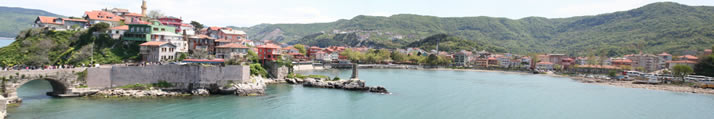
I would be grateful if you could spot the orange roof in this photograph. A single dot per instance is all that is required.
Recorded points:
(598, 66)
(665, 54)
(683, 61)
(222, 40)
(622, 60)
(102, 15)
(214, 28)
(690, 57)
(231, 45)
(48, 20)
(288, 48)
(186, 25)
(546, 63)
(133, 14)
(78, 20)
(269, 46)
(153, 43)
(123, 27)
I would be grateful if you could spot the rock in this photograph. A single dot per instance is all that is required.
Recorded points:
(378, 89)
(201, 92)
(291, 81)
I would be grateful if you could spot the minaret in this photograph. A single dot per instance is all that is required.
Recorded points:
(354, 71)
(143, 7)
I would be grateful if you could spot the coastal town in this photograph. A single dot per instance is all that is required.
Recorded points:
(115, 53)
(166, 39)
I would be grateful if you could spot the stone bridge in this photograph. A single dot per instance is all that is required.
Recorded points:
(61, 80)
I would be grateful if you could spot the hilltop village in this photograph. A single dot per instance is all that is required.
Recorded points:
(170, 40)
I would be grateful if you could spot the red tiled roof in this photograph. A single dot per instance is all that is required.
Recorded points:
(214, 28)
(123, 27)
(102, 15)
(622, 60)
(288, 48)
(133, 14)
(598, 66)
(690, 57)
(153, 43)
(222, 40)
(546, 63)
(231, 45)
(48, 20)
(664, 54)
(269, 46)
(683, 61)
(77, 20)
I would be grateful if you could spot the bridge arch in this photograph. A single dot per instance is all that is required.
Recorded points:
(10, 92)
(60, 80)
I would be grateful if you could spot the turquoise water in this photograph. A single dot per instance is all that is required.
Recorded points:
(416, 94)
(5, 41)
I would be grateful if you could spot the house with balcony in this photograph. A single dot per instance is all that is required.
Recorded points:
(231, 51)
(173, 38)
(172, 22)
(157, 51)
(117, 32)
(268, 52)
(55, 23)
(96, 16)
(544, 65)
(142, 31)
(202, 43)
(462, 58)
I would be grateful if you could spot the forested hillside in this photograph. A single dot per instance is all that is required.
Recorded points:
(15, 20)
(653, 28)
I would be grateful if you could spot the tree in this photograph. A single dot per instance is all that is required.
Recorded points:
(682, 71)
(196, 25)
(99, 27)
(705, 66)
(399, 57)
(155, 14)
(301, 48)
(252, 56)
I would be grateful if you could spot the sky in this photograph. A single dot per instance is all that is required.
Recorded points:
(247, 13)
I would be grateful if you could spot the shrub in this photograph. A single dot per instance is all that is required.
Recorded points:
(162, 84)
(257, 69)
(336, 78)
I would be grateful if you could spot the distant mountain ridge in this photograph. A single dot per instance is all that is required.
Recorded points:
(15, 19)
(656, 27)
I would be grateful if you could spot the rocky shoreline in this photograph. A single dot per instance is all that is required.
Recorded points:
(351, 84)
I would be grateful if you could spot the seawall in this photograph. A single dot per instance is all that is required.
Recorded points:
(181, 76)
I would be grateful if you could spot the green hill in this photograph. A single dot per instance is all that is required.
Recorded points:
(657, 27)
(452, 43)
(16, 19)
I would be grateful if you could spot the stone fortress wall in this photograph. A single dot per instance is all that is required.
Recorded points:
(181, 76)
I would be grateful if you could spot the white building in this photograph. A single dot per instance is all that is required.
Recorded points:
(157, 51)
(173, 38)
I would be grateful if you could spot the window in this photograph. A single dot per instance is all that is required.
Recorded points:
(156, 29)
(162, 29)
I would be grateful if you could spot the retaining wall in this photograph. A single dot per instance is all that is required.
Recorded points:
(181, 76)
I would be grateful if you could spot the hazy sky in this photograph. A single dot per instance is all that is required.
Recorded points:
(252, 12)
